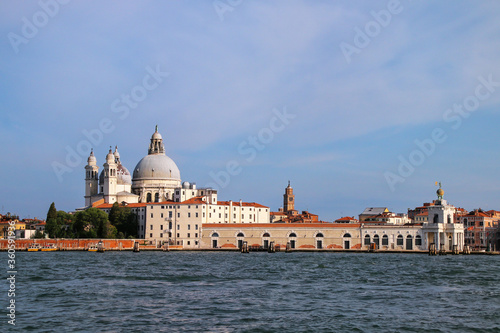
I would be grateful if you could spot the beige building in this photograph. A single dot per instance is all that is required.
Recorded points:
(337, 236)
(181, 223)
(298, 235)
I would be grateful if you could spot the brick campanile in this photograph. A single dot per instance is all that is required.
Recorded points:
(288, 199)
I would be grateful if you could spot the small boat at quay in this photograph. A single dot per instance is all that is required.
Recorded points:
(51, 247)
(34, 247)
(92, 248)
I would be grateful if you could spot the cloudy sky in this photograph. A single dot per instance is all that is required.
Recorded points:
(357, 103)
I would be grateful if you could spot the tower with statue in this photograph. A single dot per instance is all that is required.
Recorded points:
(440, 231)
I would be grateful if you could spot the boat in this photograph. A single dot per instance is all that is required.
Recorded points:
(51, 247)
(92, 248)
(34, 247)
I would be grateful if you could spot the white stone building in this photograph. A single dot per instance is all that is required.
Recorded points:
(441, 229)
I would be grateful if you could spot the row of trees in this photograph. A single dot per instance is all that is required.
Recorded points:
(92, 223)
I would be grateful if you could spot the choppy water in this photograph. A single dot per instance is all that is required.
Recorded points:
(257, 292)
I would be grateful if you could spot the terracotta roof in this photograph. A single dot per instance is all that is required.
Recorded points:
(346, 218)
(237, 203)
(192, 201)
(476, 214)
(131, 205)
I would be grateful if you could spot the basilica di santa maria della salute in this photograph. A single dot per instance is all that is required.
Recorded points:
(155, 177)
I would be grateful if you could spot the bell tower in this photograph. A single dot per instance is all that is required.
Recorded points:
(288, 199)
(110, 178)
(91, 178)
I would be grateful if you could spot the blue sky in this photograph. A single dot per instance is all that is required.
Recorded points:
(231, 69)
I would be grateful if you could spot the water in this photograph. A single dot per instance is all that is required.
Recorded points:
(256, 292)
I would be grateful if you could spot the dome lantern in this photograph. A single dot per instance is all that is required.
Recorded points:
(156, 146)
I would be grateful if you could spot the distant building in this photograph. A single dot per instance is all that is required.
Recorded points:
(480, 228)
(347, 219)
(387, 218)
(372, 211)
(288, 214)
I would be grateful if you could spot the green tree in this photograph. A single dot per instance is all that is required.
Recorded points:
(51, 226)
(38, 234)
(65, 222)
(91, 223)
(52, 213)
(124, 220)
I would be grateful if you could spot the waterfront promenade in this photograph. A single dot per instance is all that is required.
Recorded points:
(128, 245)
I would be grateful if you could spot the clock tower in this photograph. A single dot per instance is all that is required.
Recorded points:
(288, 199)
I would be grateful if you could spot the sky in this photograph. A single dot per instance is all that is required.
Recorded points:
(356, 103)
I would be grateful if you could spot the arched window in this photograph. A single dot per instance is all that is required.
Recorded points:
(148, 197)
(293, 234)
(157, 197)
(240, 234)
(367, 240)
(449, 218)
(347, 236)
(400, 240)
(215, 234)
(385, 240)
(376, 240)
(418, 240)
(266, 235)
(436, 218)
(319, 234)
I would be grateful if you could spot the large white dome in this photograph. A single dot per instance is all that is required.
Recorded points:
(156, 166)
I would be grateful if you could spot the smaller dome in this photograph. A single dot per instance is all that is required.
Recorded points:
(110, 158)
(123, 175)
(185, 185)
(91, 160)
(156, 136)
